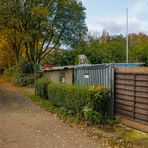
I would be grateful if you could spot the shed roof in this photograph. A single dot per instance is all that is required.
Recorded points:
(76, 66)
(95, 66)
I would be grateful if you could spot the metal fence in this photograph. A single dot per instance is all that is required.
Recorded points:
(99, 74)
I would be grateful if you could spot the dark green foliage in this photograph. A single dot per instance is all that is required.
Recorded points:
(41, 88)
(92, 116)
(24, 74)
(23, 79)
(25, 67)
(72, 97)
(91, 103)
(110, 51)
(98, 99)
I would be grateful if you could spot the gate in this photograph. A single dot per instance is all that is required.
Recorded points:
(131, 93)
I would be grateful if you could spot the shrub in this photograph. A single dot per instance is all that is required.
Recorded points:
(77, 99)
(98, 99)
(9, 73)
(41, 87)
(24, 74)
(89, 103)
(72, 97)
(93, 117)
(25, 67)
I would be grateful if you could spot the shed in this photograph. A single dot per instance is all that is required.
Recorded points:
(62, 74)
(85, 74)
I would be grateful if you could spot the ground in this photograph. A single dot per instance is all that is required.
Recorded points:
(24, 124)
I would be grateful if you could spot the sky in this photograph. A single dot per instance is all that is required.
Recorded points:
(110, 15)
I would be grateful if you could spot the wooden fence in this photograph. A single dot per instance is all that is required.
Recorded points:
(131, 93)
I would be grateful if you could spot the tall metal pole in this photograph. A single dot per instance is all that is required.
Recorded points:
(126, 35)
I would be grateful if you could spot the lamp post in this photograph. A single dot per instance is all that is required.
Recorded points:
(126, 35)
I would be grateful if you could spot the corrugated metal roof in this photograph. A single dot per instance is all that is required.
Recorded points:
(76, 66)
(81, 66)
(61, 68)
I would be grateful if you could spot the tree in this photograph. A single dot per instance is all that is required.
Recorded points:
(43, 24)
(6, 55)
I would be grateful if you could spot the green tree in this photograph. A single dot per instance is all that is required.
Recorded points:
(43, 24)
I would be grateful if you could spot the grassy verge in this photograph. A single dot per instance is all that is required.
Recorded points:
(95, 132)
(71, 120)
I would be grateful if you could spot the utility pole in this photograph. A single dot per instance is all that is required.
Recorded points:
(126, 35)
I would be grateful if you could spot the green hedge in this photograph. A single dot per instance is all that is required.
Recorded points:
(75, 97)
(71, 97)
(89, 103)
(41, 88)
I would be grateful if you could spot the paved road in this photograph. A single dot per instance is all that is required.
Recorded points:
(26, 125)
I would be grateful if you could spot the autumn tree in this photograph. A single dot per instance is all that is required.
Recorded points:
(6, 54)
(43, 25)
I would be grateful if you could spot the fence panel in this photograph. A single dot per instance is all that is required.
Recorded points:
(131, 93)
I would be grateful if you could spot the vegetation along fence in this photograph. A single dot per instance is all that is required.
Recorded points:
(96, 74)
(131, 93)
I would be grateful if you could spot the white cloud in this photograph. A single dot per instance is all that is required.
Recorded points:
(118, 25)
(138, 21)
(139, 7)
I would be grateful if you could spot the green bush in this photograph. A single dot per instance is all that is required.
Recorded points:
(98, 99)
(22, 74)
(88, 102)
(72, 97)
(23, 79)
(41, 87)
(92, 116)
(25, 67)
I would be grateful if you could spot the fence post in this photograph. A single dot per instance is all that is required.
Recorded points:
(111, 105)
(134, 99)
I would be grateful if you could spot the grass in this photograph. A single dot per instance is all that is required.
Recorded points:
(46, 104)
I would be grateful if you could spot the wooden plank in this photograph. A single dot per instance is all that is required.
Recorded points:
(142, 83)
(123, 102)
(137, 124)
(141, 111)
(125, 87)
(142, 100)
(124, 107)
(142, 106)
(124, 82)
(142, 77)
(142, 94)
(141, 117)
(134, 96)
(123, 112)
(124, 76)
(141, 89)
(125, 92)
(124, 97)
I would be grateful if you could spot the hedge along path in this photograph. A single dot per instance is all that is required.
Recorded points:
(26, 125)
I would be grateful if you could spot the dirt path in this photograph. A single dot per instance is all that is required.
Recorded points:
(26, 125)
